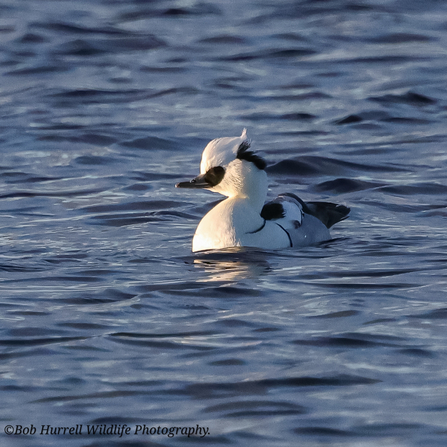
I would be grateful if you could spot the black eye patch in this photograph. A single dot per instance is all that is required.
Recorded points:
(214, 175)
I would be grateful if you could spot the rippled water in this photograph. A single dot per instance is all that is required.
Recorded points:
(108, 318)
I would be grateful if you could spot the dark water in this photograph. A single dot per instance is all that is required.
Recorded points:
(107, 317)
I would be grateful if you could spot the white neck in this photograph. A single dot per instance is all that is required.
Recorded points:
(228, 223)
(244, 181)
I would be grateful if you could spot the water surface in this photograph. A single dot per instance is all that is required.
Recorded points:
(108, 318)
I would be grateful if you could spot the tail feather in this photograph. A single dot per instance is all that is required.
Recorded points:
(328, 213)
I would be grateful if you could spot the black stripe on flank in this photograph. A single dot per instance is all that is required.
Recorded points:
(244, 154)
(259, 229)
(288, 235)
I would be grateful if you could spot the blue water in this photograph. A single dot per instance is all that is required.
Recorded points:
(107, 318)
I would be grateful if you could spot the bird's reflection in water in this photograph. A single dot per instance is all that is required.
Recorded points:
(232, 264)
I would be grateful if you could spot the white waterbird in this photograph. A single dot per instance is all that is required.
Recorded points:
(243, 219)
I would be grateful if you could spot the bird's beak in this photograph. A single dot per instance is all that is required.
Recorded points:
(196, 183)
